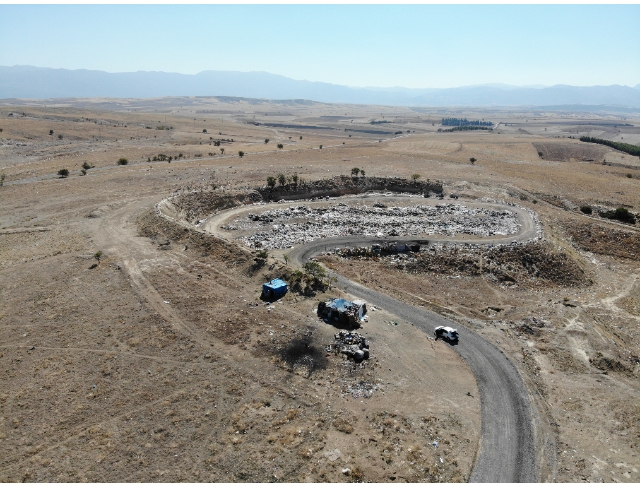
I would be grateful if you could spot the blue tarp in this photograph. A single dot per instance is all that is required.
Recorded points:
(274, 289)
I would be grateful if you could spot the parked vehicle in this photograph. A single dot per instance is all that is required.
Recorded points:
(447, 333)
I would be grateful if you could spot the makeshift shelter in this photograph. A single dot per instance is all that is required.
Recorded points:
(343, 311)
(274, 289)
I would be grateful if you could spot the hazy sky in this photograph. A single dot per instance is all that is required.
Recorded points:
(417, 46)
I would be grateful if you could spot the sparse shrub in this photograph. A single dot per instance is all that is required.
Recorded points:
(271, 181)
(83, 171)
(472, 160)
(97, 255)
(221, 150)
(415, 177)
(355, 171)
(629, 175)
(1, 130)
(301, 137)
(621, 214)
(266, 141)
(282, 179)
(204, 131)
(60, 136)
(262, 255)
(50, 132)
(586, 209)
(280, 146)
(2, 178)
(314, 269)
(294, 178)
(123, 161)
(86, 166)
(241, 154)
(63, 173)
(540, 154)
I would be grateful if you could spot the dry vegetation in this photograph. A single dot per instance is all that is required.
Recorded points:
(156, 361)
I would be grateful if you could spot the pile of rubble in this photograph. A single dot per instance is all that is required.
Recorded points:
(352, 344)
(283, 228)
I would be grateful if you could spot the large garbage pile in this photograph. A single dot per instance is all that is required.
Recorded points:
(353, 345)
(283, 228)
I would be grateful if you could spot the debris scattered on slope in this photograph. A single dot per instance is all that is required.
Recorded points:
(353, 345)
(282, 228)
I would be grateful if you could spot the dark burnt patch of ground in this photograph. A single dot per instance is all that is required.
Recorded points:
(564, 151)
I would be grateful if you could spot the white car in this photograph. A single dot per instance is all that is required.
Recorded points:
(447, 333)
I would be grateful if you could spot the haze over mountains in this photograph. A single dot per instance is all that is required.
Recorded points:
(38, 83)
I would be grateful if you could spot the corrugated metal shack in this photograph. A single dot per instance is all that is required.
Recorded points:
(274, 289)
(348, 313)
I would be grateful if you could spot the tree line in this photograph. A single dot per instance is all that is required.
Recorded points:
(465, 127)
(459, 122)
(634, 150)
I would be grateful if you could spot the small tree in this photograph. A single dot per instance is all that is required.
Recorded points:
(63, 173)
(314, 269)
(282, 179)
(280, 146)
(204, 131)
(222, 150)
(362, 172)
(294, 178)
(473, 160)
(271, 181)
(60, 136)
(86, 166)
(123, 161)
(320, 146)
(2, 178)
(301, 137)
(241, 154)
(266, 141)
(415, 177)
(355, 171)
(50, 132)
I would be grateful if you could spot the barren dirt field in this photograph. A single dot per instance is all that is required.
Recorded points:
(134, 346)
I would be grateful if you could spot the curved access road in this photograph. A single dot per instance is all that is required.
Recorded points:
(507, 448)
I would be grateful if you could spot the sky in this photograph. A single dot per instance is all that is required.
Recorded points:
(414, 46)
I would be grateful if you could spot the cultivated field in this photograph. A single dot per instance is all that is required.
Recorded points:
(136, 348)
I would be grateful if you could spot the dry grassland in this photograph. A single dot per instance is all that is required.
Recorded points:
(157, 361)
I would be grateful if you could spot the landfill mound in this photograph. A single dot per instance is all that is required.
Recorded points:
(343, 185)
(283, 228)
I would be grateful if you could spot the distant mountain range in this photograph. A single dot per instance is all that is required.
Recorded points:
(40, 83)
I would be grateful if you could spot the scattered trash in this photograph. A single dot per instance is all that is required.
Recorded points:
(166, 302)
(346, 471)
(362, 388)
(285, 227)
(353, 345)
(435, 443)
